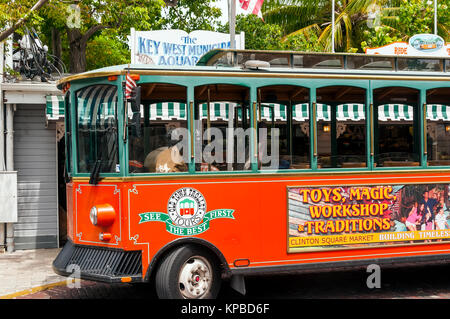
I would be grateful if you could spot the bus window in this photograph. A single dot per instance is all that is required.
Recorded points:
(283, 127)
(97, 142)
(420, 64)
(222, 122)
(275, 60)
(318, 61)
(156, 140)
(370, 62)
(341, 127)
(396, 129)
(438, 126)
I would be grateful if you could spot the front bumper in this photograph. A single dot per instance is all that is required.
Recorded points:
(99, 263)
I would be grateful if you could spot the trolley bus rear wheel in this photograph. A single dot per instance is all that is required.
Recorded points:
(188, 272)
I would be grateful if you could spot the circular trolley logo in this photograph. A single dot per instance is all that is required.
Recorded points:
(186, 213)
(186, 207)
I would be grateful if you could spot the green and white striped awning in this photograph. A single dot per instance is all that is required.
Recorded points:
(344, 112)
(395, 112)
(221, 110)
(403, 112)
(167, 111)
(97, 106)
(300, 112)
(102, 99)
(436, 112)
(54, 107)
(352, 112)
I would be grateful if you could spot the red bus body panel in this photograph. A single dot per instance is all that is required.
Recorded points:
(258, 231)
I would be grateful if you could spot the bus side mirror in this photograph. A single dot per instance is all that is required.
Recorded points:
(135, 99)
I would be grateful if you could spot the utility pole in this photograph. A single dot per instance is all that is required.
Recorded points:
(232, 22)
(435, 17)
(332, 26)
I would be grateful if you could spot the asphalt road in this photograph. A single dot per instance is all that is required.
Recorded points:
(420, 282)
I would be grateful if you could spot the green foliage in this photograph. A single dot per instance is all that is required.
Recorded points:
(258, 35)
(190, 15)
(105, 50)
(377, 37)
(12, 11)
(302, 42)
(294, 15)
(410, 18)
(261, 35)
(396, 20)
(98, 23)
(310, 18)
(119, 15)
(417, 16)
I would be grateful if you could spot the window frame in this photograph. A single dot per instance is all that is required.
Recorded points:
(76, 87)
(152, 80)
(425, 104)
(333, 110)
(68, 133)
(361, 84)
(312, 84)
(378, 84)
(289, 122)
(251, 121)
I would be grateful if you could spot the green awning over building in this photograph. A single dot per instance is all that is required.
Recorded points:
(54, 107)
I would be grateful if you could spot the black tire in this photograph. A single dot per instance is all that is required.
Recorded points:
(180, 262)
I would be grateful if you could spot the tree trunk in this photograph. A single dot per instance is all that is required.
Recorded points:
(57, 47)
(77, 47)
(78, 44)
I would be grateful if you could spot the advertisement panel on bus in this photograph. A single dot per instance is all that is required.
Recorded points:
(363, 216)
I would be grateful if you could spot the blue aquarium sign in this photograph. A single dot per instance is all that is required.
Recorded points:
(176, 47)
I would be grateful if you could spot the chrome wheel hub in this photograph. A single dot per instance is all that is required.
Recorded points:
(195, 278)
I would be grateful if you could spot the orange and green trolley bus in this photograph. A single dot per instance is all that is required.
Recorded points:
(255, 162)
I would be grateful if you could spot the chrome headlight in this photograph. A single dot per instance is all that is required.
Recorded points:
(93, 215)
(102, 215)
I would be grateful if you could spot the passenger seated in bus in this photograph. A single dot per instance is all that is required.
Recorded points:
(165, 160)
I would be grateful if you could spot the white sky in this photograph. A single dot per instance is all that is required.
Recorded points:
(223, 5)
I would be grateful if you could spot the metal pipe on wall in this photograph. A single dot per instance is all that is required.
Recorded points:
(2, 135)
(2, 152)
(10, 108)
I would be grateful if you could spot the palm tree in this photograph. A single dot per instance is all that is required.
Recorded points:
(306, 16)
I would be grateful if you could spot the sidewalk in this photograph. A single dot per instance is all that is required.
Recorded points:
(27, 271)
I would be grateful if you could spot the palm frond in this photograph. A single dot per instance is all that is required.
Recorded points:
(295, 15)
(444, 32)
(306, 31)
(348, 31)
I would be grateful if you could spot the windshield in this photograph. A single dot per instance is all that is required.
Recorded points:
(97, 128)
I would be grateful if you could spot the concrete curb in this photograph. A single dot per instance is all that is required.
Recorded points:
(34, 290)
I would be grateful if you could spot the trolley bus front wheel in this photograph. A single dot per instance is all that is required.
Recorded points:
(188, 272)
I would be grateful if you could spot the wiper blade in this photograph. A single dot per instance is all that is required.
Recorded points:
(95, 172)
